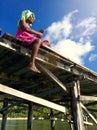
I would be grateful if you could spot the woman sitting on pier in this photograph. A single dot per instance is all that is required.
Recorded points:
(31, 37)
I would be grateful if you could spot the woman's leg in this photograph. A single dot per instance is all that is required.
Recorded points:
(35, 48)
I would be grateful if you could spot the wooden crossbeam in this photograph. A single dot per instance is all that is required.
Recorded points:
(37, 100)
(53, 77)
(90, 115)
(88, 98)
(85, 122)
(9, 106)
(76, 107)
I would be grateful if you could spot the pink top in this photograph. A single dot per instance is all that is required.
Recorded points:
(27, 37)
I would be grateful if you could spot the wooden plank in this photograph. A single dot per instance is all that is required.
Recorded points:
(76, 107)
(52, 120)
(85, 122)
(90, 115)
(79, 68)
(88, 98)
(30, 116)
(61, 62)
(53, 77)
(32, 98)
(88, 123)
(4, 117)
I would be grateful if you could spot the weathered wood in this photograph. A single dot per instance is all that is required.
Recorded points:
(29, 121)
(4, 116)
(88, 123)
(71, 126)
(52, 119)
(88, 98)
(61, 61)
(90, 115)
(76, 107)
(51, 62)
(31, 98)
(85, 122)
(53, 77)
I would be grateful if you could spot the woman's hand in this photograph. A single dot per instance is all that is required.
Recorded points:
(39, 34)
(42, 31)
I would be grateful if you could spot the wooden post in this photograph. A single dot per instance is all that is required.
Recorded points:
(52, 119)
(71, 126)
(29, 122)
(86, 119)
(76, 107)
(4, 116)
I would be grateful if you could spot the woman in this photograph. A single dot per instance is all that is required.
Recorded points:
(30, 36)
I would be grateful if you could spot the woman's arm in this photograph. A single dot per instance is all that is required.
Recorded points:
(24, 26)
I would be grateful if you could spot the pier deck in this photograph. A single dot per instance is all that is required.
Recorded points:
(60, 81)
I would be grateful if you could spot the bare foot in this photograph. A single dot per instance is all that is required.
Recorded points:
(34, 69)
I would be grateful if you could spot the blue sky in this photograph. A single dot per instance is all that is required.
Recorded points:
(70, 25)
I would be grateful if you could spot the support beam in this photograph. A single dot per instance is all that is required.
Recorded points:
(53, 77)
(14, 92)
(29, 122)
(88, 98)
(76, 107)
(71, 126)
(9, 106)
(4, 116)
(52, 119)
(90, 115)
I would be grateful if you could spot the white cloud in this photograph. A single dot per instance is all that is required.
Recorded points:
(87, 27)
(73, 42)
(73, 50)
(60, 29)
(93, 57)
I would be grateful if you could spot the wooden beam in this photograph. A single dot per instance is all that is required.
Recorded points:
(85, 122)
(90, 115)
(88, 98)
(77, 70)
(52, 120)
(14, 92)
(4, 116)
(9, 106)
(53, 77)
(29, 121)
(76, 107)
(88, 123)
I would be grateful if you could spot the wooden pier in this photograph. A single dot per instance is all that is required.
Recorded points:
(61, 82)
